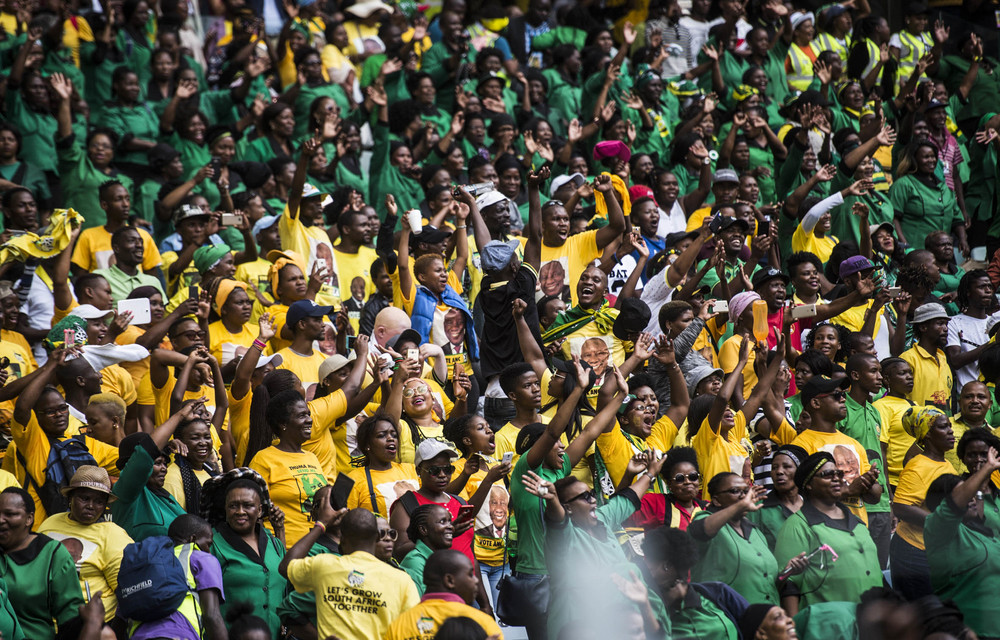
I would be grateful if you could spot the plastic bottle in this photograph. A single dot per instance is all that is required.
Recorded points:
(760, 328)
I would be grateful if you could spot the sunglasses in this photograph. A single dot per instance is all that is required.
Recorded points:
(739, 492)
(588, 496)
(412, 391)
(552, 203)
(836, 395)
(831, 473)
(388, 534)
(448, 469)
(691, 477)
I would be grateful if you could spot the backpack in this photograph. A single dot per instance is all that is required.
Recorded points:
(65, 457)
(152, 583)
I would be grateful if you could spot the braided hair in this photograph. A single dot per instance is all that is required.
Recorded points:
(419, 518)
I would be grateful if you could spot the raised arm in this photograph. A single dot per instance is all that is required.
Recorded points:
(536, 454)
(63, 86)
(598, 424)
(530, 351)
(616, 218)
(248, 363)
(309, 149)
(728, 387)
(765, 382)
(533, 247)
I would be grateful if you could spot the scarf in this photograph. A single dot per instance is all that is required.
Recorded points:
(601, 207)
(49, 242)
(575, 318)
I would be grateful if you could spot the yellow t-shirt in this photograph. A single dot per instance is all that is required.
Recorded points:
(293, 479)
(305, 367)
(567, 263)
(358, 595)
(175, 485)
(389, 486)
(21, 364)
(33, 445)
(255, 274)
(180, 282)
(663, 435)
(404, 299)
(505, 440)
(422, 621)
(958, 429)
(239, 424)
(115, 379)
(898, 441)
(137, 369)
(729, 357)
(93, 250)
(100, 554)
(917, 476)
(223, 344)
(616, 449)
(849, 456)
(932, 379)
(585, 342)
(328, 441)
(349, 266)
(854, 318)
(18, 339)
(309, 242)
(717, 454)
(821, 247)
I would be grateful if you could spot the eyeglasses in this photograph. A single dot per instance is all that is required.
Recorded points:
(192, 335)
(388, 534)
(588, 496)
(417, 390)
(57, 410)
(691, 477)
(836, 395)
(448, 469)
(831, 473)
(739, 492)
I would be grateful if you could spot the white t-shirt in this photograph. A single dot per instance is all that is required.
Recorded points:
(973, 332)
(672, 221)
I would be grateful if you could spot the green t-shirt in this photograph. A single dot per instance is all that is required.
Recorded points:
(864, 424)
(81, 181)
(42, 585)
(138, 121)
(138, 510)
(698, 618)
(744, 563)
(528, 512)
(922, 209)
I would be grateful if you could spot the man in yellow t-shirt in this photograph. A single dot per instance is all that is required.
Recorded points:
(452, 583)
(93, 251)
(897, 376)
(932, 375)
(305, 320)
(358, 595)
(566, 257)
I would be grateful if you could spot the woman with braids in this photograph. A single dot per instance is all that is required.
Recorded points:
(292, 473)
(681, 503)
(967, 334)
(829, 339)
(432, 530)
(236, 504)
(380, 481)
(193, 467)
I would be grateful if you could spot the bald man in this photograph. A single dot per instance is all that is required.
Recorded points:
(389, 323)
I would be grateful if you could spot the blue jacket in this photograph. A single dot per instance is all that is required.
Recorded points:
(422, 317)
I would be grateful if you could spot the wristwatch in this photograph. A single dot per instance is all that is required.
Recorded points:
(706, 161)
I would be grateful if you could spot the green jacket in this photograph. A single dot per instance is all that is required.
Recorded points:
(744, 562)
(43, 588)
(248, 576)
(139, 510)
(386, 178)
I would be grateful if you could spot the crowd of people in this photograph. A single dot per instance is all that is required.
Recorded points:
(632, 320)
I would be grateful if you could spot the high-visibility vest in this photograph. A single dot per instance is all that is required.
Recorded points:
(191, 607)
(799, 66)
(873, 56)
(914, 48)
(826, 42)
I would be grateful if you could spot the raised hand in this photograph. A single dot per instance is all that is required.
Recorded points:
(62, 85)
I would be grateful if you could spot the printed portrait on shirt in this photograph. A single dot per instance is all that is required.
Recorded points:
(394, 490)
(595, 351)
(79, 549)
(846, 459)
(553, 278)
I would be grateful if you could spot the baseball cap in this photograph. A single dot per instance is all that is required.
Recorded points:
(336, 362)
(186, 211)
(429, 235)
(266, 222)
(992, 324)
(527, 437)
(763, 275)
(496, 255)
(305, 309)
(929, 311)
(430, 449)
(557, 183)
(721, 223)
(934, 104)
(637, 191)
(409, 335)
(818, 385)
(633, 317)
(489, 199)
(855, 264)
(265, 360)
(725, 175)
(309, 191)
(90, 312)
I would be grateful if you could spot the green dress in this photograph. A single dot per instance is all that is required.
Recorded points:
(141, 511)
(742, 560)
(81, 180)
(138, 121)
(44, 588)
(855, 571)
(922, 208)
(38, 131)
(248, 576)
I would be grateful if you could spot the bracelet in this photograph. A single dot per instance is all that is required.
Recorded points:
(319, 523)
(651, 477)
(260, 344)
(464, 226)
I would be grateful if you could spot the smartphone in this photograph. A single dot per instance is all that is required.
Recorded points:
(230, 219)
(350, 342)
(720, 306)
(466, 512)
(507, 457)
(413, 354)
(894, 292)
(69, 337)
(193, 291)
(804, 311)
(216, 165)
(341, 489)
(764, 227)
(321, 263)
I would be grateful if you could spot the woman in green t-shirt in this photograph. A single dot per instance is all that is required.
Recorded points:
(784, 499)
(131, 119)
(922, 201)
(19, 173)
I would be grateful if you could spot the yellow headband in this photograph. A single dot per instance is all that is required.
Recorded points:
(224, 289)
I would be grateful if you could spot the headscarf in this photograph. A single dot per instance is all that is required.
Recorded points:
(810, 466)
(576, 317)
(740, 303)
(225, 288)
(208, 256)
(744, 92)
(56, 338)
(917, 421)
(213, 494)
(281, 259)
(49, 242)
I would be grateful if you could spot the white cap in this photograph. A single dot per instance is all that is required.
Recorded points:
(263, 360)
(90, 312)
(559, 181)
(489, 198)
(430, 449)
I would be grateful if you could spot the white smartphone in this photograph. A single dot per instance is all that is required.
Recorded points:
(894, 292)
(507, 457)
(804, 311)
(230, 220)
(413, 354)
(141, 313)
(719, 306)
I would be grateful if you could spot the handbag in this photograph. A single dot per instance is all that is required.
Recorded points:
(520, 596)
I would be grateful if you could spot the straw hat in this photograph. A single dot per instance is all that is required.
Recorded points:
(90, 477)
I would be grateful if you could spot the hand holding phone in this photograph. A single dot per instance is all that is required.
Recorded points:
(507, 457)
